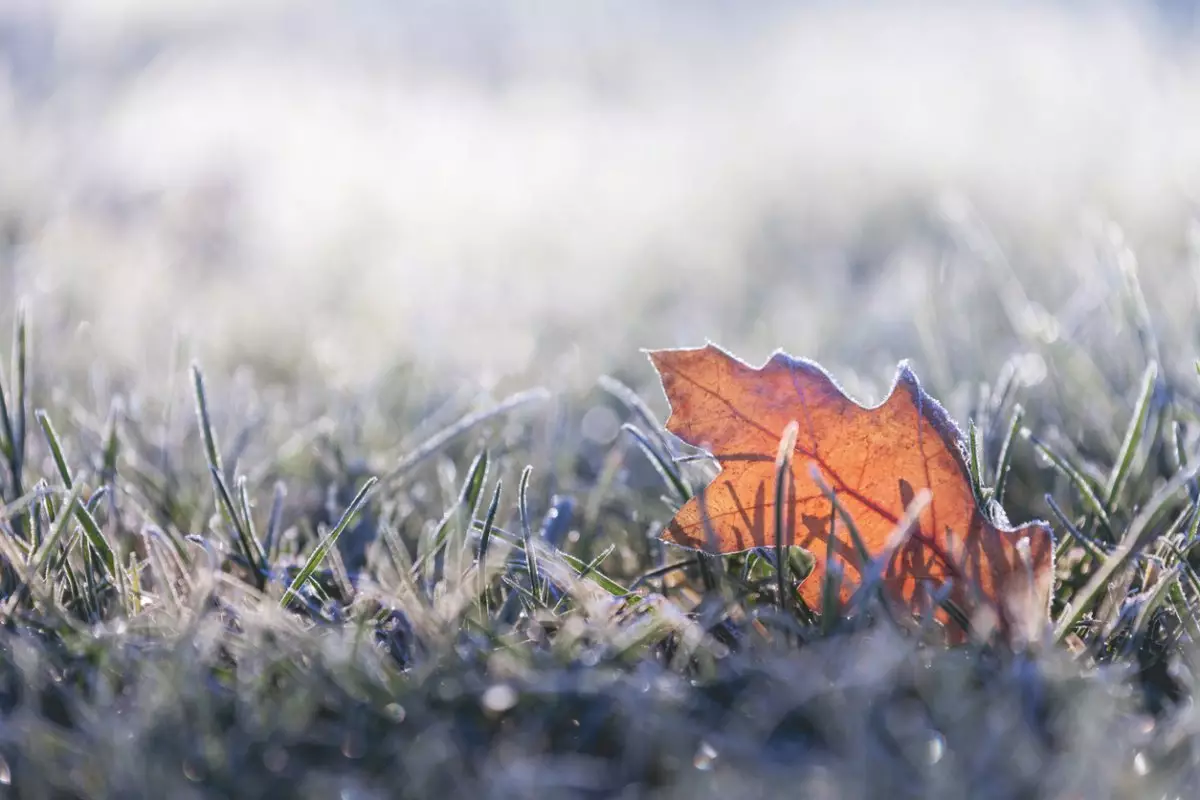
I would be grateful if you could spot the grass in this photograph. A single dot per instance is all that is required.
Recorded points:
(236, 605)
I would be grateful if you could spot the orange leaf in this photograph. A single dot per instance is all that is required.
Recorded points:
(875, 460)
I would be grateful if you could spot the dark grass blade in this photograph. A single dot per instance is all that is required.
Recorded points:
(15, 414)
(831, 589)
(1090, 500)
(860, 545)
(111, 448)
(663, 465)
(783, 485)
(274, 523)
(636, 406)
(485, 539)
(1091, 545)
(8, 447)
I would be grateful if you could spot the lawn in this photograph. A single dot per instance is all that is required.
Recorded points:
(332, 464)
(237, 604)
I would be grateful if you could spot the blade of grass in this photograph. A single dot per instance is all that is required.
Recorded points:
(90, 528)
(830, 602)
(1133, 436)
(251, 532)
(1004, 461)
(859, 544)
(973, 463)
(1153, 598)
(434, 443)
(485, 535)
(204, 419)
(831, 596)
(322, 549)
(56, 451)
(664, 466)
(251, 549)
(457, 520)
(606, 583)
(634, 403)
(1126, 549)
(274, 523)
(112, 445)
(659, 572)
(1081, 484)
(16, 427)
(60, 526)
(8, 445)
(527, 533)
(784, 483)
(597, 561)
(1089, 544)
(95, 537)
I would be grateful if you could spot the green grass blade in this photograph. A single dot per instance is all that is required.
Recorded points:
(1133, 435)
(1127, 548)
(7, 443)
(485, 540)
(91, 528)
(606, 583)
(251, 550)
(322, 549)
(61, 523)
(1004, 461)
(457, 519)
(204, 419)
(472, 488)
(973, 463)
(597, 561)
(112, 446)
(20, 406)
(56, 451)
(527, 533)
(485, 535)
(860, 545)
(259, 552)
(248, 543)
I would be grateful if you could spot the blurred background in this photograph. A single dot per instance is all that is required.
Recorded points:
(510, 192)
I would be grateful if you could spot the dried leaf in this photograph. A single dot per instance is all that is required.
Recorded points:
(875, 459)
